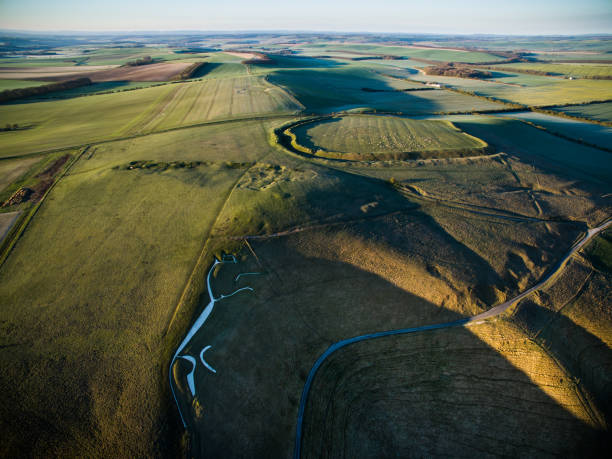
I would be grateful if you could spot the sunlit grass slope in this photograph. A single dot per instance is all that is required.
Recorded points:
(81, 120)
(572, 320)
(89, 292)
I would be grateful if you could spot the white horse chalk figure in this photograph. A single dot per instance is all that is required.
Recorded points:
(196, 326)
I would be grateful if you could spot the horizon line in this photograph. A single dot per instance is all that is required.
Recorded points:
(300, 31)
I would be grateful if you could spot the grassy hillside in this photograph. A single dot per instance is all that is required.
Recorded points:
(95, 308)
(571, 320)
(321, 300)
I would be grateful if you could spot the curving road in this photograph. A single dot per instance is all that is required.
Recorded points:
(468, 321)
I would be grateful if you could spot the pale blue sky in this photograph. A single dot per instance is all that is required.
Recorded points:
(405, 16)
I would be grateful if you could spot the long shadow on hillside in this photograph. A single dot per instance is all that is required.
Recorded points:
(325, 91)
(435, 399)
(298, 62)
(549, 152)
(412, 233)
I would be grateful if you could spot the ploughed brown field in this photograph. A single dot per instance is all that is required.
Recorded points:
(152, 72)
(46, 73)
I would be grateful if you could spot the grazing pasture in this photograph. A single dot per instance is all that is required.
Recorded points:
(244, 141)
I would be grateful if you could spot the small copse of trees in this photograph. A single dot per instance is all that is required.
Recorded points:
(142, 61)
(453, 70)
(20, 93)
(190, 71)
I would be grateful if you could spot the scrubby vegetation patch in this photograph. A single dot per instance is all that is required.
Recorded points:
(160, 166)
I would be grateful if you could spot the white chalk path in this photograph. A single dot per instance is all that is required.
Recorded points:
(194, 329)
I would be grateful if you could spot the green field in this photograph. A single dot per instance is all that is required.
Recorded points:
(62, 123)
(532, 90)
(598, 112)
(15, 84)
(364, 137)
(95, 88)
(576, 45)
(602, 54)
(574, 70)
(222, 70)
